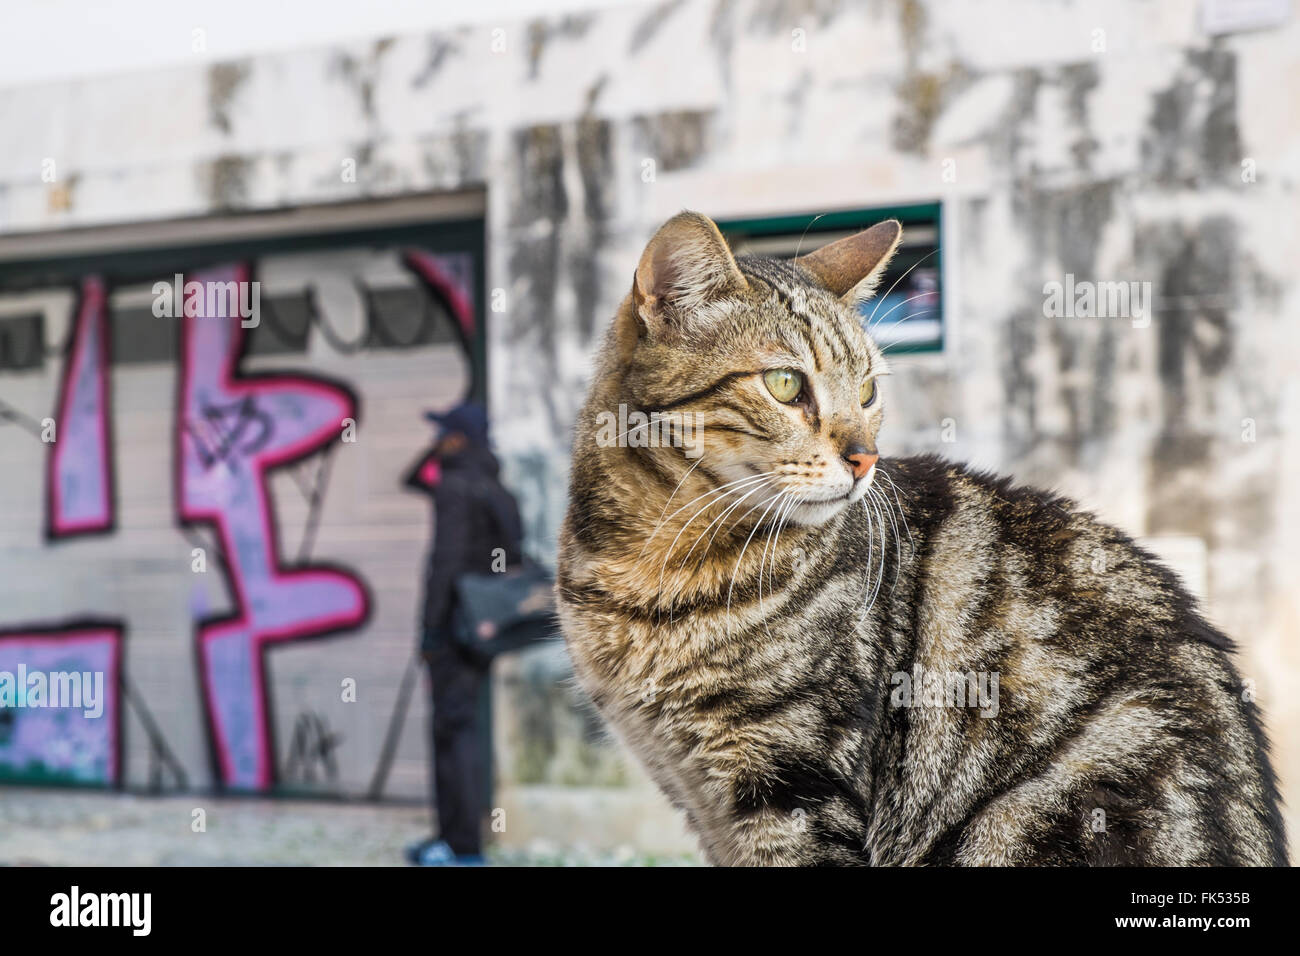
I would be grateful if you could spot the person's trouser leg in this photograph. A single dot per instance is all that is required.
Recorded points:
(457, 751)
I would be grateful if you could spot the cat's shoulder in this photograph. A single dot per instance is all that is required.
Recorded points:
(1070, 543)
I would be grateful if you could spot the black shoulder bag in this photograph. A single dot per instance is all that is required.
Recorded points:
(505, 611)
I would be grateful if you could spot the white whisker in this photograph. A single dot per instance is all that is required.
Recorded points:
(727, 488)
(895, 283)
(667, 503)
(899, 505)
(910, 298)
(718, 521)
(782, 512)
(721, 489)
(758, 524)
(883, 504)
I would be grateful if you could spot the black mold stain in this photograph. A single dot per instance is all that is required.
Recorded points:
(533, 317)
(226, 182)
(1007, 137)
(542, 32)
(796, 98)
(1201, 270)
(1192, 136)
(552, 249)
(1103, 411)
(1079, 80)
(372, 174)
(1068, 222)
(224, 81)
(722, 34)
(973, 219)
(593, 94)
(440, 49)
(674, 139)
(596, 171)
(539, 176)
(922, 94)
(1196, 285)
(1020, 422)
(1066, 227)
(541, 205)
(460, 157)
(361, 73)
(555, 243)
(772, 16)
(1195, 270)
(651, 23)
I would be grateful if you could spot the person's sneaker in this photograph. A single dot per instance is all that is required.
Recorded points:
(439, 853)
(413, 851)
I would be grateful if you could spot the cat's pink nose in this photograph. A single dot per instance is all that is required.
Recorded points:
(860, 461)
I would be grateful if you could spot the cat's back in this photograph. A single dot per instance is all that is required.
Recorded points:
(1123, 732)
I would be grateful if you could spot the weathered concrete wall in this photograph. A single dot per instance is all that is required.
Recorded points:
(1111, 141)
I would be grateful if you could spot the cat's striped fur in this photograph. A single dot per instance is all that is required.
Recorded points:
(751, 648)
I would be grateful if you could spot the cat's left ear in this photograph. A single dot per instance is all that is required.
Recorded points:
(685, 266)
(851, 268)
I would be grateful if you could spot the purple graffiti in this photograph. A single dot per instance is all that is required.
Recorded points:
(231, 429)
(52, 739)
(79, 483)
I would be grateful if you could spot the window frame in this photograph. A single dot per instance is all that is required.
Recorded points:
(132, 253)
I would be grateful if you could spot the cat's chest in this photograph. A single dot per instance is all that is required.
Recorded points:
(634, 665)
(686, 692)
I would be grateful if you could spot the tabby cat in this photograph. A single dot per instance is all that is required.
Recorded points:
(826, 658)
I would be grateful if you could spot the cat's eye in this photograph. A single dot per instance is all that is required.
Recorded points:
(785, 384)
(867, 393)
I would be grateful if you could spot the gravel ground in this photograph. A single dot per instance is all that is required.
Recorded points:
(62, 827)
(68, 827)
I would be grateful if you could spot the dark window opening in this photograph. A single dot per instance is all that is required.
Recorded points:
(139, 336)
(405, 317)
(22, 341)
(283, 324)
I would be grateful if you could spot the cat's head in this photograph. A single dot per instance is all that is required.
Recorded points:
(768, 357)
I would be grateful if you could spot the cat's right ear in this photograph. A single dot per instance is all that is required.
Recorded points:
(852, 267)
(685, 266)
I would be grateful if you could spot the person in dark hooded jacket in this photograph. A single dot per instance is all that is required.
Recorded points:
(477, 529)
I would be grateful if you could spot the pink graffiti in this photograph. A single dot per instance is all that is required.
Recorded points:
(231, 429)
(79, 483)
(446, 276)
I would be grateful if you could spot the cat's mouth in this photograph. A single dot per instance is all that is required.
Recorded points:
(818, 510)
